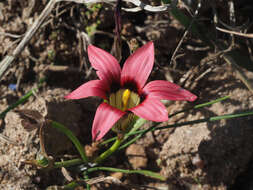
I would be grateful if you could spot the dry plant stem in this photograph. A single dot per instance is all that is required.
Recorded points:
(235, 33)
(66, 174)
(96, 180)
(232, 18)
(29, 34)
(10, 35)
(231, 12)
(8, 60)
(6, 139)
(185, 33)
(62, 68)
(42, 145)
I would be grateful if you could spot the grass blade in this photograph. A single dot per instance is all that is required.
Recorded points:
(142, 172)
(72, 137)
(21, 100)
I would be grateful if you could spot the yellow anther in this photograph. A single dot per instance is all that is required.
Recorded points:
(125, 97)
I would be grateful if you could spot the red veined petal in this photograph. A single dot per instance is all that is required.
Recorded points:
(139, 65)
(151, 109)
(165, 90)
(106, 116)
(107, 66)
(91, 88)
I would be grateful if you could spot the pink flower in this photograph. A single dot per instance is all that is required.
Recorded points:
(124, 91)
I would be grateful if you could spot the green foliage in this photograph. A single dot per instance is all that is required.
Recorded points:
(91, 13)
(92, 28)
(51, 55)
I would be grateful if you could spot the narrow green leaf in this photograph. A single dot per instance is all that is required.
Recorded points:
(154, 126)
(230, 116)
(211, 102)
(72, 137)
(142, 172)
(200, 105)
(21, 100)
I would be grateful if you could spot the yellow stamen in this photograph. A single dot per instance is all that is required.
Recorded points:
(125, 98)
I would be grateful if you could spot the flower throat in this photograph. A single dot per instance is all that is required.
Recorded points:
(124, 99)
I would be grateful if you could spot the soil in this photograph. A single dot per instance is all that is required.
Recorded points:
(214, 155)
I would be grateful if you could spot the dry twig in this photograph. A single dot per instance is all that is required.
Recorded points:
(185, 33)
(235, 33)
(6, 139)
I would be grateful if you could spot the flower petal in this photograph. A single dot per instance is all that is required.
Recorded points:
(91, 88)
(138, 66)
(106, 116)
(107, 66)
(151, 109)
(164, 90)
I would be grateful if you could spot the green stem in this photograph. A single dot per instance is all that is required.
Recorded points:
(71, 186)
(86, 177)
(108, 152)
(68, 163)
(136, 126)
(137, 137)
(72, 137)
